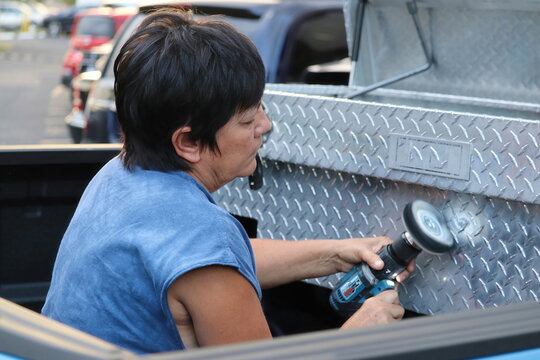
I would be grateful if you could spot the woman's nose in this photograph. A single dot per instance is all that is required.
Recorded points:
(265, 123)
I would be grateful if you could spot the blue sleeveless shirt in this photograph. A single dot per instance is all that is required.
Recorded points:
(132, 235)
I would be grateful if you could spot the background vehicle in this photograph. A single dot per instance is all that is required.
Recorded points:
(309, 33)
(38, 13)
(62, 22)
(90, 71)
(15, 16)
(91, 28)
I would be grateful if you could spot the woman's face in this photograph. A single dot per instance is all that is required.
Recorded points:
(238, 142)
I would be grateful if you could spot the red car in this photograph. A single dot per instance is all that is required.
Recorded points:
(91, 28)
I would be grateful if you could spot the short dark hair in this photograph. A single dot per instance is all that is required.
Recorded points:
(176, 71)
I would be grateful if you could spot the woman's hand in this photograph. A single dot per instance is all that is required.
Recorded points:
(349, 252)
(381, 309)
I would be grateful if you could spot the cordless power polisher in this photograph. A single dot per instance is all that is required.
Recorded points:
(426, 230)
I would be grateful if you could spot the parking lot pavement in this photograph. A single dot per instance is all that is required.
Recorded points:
(28, 35)
(33, 103)
(55, 130)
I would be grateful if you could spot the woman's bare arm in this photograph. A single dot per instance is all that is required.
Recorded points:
(281, 262)
(216, 305)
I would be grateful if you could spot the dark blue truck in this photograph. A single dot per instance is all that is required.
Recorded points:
(291, 37)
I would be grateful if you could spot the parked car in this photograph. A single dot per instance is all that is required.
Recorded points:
(91, 28)
(80, 89)
(94, 57)
(62, 22)
(290, 37)
(38, 13)
(15, 16)
(90, 71)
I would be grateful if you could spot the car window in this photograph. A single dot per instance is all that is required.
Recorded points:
(96, 26)
(247, 26)
(318, 39)
(11, 11)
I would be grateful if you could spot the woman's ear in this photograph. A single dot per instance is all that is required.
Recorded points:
(184, 146)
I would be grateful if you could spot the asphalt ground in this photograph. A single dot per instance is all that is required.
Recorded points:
(33, 102)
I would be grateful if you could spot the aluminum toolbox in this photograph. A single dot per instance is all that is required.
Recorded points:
(456, 125)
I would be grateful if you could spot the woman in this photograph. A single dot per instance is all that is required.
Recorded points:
(149, 261)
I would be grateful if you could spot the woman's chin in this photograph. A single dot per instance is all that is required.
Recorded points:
(250, 169)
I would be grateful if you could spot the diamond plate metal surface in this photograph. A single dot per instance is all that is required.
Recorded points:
(481, 48)
(321, 90)
(441, 102)
(354, 137)
(326, 175)
(497, 260)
